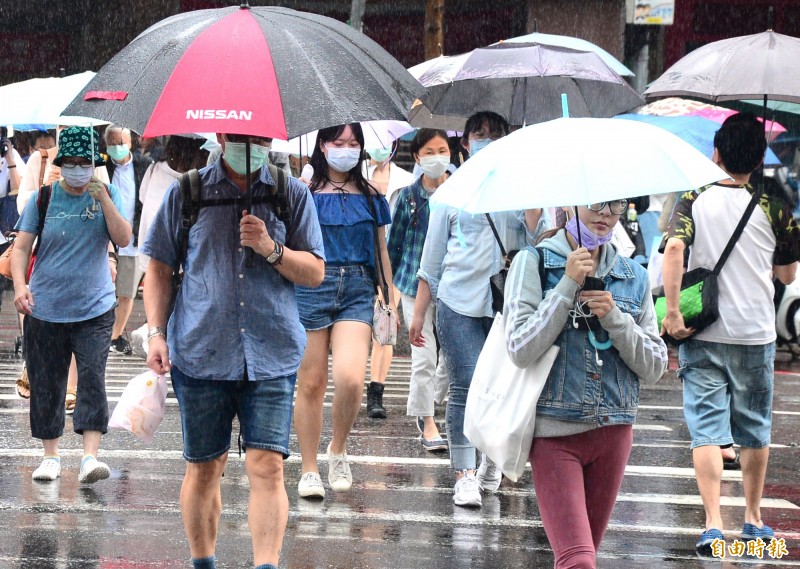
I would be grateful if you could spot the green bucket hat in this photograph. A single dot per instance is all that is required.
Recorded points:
(76, 141)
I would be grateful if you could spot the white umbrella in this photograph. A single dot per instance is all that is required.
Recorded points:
(576, 161)
(377, 134)
(38, 103)
(571, 43)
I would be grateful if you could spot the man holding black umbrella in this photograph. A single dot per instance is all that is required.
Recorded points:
(234, 341)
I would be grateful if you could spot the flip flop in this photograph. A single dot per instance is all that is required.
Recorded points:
(731, 463)
(23, 386)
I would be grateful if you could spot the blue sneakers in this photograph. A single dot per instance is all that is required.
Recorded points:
(752, 532)
(703, 545)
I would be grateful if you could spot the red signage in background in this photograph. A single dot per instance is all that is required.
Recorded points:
(46, 52)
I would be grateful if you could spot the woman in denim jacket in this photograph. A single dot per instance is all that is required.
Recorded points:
(608, 343)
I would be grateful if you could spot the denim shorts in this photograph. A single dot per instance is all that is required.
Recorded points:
(727, 392)
(347, 293)
(264, 409)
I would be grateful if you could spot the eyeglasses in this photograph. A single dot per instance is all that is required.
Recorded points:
(616, 207)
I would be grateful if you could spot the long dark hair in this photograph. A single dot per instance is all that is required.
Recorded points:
(183, 153)
(320, 164)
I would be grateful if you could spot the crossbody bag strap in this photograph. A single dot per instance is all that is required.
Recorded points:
(496, 235)
(378, 260)
(737, 232)
(42, 165)
(42, 203)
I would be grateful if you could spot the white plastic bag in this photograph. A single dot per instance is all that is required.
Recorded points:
(142, 406)
(501, 403)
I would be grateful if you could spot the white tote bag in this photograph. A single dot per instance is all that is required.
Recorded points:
(501, 404)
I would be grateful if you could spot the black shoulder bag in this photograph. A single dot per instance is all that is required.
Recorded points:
(699, 288)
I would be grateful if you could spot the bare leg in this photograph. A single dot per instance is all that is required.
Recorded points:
(312, 379)
(121, 313)
(350, 345)
(379, 362)
(201, 505)
(708, 471)
(430, 430)
(50, 447)
(268, 510)
(91, 442)
(754, 471)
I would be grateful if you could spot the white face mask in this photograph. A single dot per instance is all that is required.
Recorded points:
(343, 159)
(434, 166)
(78, 176)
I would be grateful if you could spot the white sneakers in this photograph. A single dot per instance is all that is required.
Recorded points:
(489, 475)
(49, 470)
(339, 476)
(310, 486)
(93, 470)
(467, 491)
(140, 335)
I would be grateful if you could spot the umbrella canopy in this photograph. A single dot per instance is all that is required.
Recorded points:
(573, 43)
(377, 134)
(745, 67)
(38, 103)
(523, 82)
(696, 130)
(262, 71)
(576, 162)
(679, 107)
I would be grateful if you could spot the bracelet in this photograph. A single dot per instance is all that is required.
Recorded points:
(156, 331)
(14, 166)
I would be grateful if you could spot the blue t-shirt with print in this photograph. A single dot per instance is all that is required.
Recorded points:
(71, 280)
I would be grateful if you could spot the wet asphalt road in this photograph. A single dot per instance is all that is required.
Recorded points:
(400, 513)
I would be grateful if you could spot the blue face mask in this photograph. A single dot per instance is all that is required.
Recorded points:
(118, 152)
(236, 156)
(478, 144)
(380, 154)
(589, 238)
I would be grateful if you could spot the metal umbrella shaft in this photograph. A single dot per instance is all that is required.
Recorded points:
(249, 254)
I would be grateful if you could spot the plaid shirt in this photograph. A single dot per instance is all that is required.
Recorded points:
(407, 236)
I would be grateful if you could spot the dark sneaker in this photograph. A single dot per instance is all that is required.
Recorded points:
(704, 545)
(122, 346)
(751, 532)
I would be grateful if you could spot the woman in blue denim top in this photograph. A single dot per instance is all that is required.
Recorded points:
(459, 256)
(337, 316)
(608, 343)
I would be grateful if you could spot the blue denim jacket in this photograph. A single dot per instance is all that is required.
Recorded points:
(578, 388)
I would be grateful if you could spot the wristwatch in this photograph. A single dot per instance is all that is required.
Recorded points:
(275, 257)
(156, 331)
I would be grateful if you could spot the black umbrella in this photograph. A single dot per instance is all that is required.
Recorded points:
(265, 71)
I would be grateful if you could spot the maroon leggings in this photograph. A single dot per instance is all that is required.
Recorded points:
(577, 479)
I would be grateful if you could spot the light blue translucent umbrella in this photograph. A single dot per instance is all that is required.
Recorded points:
(697, 131)
(573, 43)
(576, 161)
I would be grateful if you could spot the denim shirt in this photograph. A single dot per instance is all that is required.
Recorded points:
(461, 254)
(578, 388)
(229, 318)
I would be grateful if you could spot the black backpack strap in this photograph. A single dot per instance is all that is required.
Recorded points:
(280, 193)
(190, 210)
(42, 203)
(738, 231)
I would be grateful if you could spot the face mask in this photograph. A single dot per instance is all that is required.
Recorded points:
(589, 239)
(434, 166)
(478, 144)
(380, 154)
(343, 159)
(118, 152)
(236, 156)
(77, 177)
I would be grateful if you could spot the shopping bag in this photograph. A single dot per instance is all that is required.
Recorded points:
(501, 404)
(142, 406)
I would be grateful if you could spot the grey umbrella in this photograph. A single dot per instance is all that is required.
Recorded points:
(765, 65)
(523, 82)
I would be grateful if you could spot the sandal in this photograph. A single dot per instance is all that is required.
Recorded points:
(23, 387)
(731, 463)
(69, 402)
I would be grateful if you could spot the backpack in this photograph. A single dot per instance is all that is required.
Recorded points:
(191, 204)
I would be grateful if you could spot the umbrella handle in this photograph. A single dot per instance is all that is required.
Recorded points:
(249, 254)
